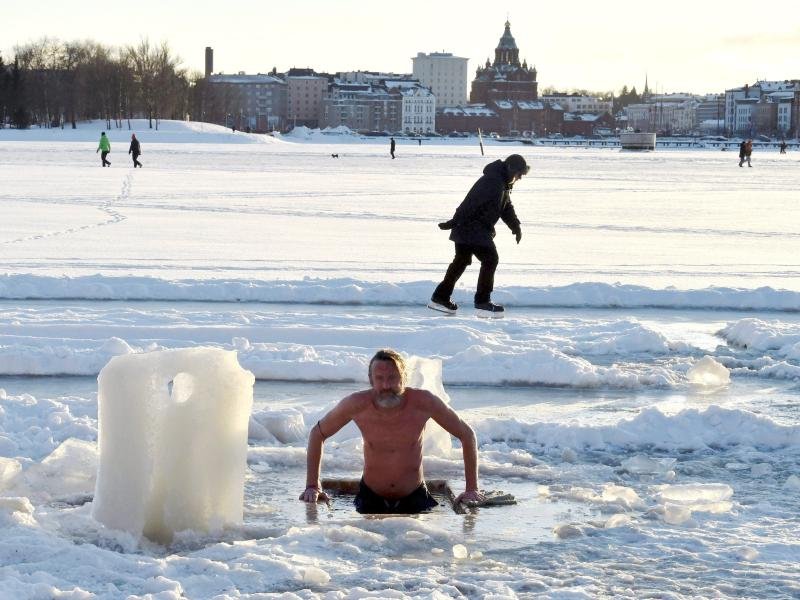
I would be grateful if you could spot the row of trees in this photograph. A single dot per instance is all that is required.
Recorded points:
(52, 83)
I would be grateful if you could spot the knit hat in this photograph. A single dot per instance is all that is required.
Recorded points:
(516, 165)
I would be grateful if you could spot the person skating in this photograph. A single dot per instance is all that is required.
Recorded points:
(783, 146)
(391, 147)
(135, 150)
(472, 231)
(104, 147)
(748, 151)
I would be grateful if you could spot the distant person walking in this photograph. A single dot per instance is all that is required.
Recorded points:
(472, 231)
(783, 146)
(104, 148)
(135, 150)
(391, 147)
(745, 150)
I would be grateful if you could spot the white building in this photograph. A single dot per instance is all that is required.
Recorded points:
(742, 103)
(444, 74)
(575, 103)
(670, 113)
(418, 113)
(785, 114)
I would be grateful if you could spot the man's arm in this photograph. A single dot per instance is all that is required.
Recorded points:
(455, 426)
(509, 217)
(332, 422)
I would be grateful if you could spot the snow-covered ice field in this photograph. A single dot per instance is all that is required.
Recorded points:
(638, 472)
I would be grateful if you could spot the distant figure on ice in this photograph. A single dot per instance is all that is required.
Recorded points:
(135, 150)
(472, 231)
(391, 147)
(419, 141)
(392, 419)
(104, 147)
(745, 150)
(783, 146)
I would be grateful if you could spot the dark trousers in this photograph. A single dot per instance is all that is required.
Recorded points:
(487, 255)
(103, 155)
(136, 162)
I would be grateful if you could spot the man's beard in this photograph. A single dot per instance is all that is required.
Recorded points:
(388, 400)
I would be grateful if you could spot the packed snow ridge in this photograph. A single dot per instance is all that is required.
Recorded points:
(347, 291)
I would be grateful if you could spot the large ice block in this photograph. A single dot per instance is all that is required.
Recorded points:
(426, 374)
(172, 441)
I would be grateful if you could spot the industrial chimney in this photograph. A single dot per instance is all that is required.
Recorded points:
(209, 61)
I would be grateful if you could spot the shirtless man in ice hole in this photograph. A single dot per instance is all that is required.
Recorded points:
(392, 419)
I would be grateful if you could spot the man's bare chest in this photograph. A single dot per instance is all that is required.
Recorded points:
(396, 432)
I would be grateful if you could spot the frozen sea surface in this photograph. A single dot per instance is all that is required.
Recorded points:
(633, 480)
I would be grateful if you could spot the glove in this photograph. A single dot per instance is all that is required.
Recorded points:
(517, 234)
(446, 225)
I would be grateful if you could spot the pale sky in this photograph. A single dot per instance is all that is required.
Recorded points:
(680, 45)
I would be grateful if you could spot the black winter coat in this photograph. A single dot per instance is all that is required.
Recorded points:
(135, 148)
(487, 202)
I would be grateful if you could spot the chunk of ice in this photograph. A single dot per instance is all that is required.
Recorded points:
(793, 483)
(315, 576)
(566, 531)
(709, 373)
(624, 496)
(642, 465)
(675, 514)
(172, 435)
(9, 469)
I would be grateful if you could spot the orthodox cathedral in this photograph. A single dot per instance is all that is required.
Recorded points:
(505, 78)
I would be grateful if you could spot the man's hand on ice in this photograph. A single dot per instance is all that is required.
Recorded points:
(470, 498)
(313, 494)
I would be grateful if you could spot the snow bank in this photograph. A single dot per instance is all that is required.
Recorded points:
(347, 291)
(173, 442)
(689, 429)
(168, 131)
(760, 335)
(483, 362)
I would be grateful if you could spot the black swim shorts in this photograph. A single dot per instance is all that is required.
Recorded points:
(368, 502)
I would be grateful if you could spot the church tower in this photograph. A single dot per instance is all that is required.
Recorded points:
(505, 79)
(506, 52)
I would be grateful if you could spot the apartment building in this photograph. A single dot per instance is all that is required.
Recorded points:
(575, 103)
(444, 74)
(418, 112)
(248, 102)
(305, 91)
(766, 107)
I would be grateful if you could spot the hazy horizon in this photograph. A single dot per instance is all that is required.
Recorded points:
(689, 48)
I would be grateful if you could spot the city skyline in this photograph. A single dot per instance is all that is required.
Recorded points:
(691, 47)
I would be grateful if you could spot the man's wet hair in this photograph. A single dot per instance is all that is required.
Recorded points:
(389, 355)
